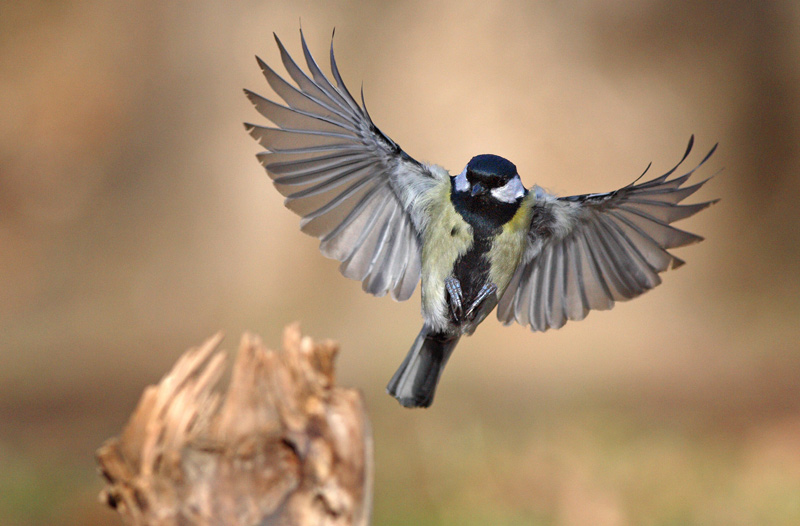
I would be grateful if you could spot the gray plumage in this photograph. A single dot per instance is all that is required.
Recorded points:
(586, 252)
(414, 383)
(391, 220)
(342, 175)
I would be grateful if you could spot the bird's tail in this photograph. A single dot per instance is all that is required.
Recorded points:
(414, 383)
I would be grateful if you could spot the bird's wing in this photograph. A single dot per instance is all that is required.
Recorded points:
(353, 186)
(586, 252)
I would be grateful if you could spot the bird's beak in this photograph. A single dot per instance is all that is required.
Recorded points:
(478, 189)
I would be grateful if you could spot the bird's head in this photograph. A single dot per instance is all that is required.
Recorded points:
(491, 176)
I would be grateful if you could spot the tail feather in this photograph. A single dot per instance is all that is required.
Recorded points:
(414, 383)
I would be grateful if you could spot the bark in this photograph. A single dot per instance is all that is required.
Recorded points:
(283, 445)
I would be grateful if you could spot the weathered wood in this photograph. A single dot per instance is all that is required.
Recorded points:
(283, 446)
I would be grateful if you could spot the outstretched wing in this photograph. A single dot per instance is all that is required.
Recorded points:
(586, 252)
(353, 186)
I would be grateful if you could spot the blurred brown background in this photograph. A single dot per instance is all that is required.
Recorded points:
(135, 222)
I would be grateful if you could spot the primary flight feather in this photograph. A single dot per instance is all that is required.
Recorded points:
(477, 240)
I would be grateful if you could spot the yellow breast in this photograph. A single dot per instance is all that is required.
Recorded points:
(446, 237)
(508, 246)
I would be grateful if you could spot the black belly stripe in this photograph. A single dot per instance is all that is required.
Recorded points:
(486, 216)
(472, 269)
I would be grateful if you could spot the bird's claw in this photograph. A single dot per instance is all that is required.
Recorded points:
(453, 287)
(487, 290)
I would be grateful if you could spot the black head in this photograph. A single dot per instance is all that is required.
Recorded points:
(491, 171)
(490, 177)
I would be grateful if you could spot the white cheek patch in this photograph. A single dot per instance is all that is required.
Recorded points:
(509, 192)
(462, 184)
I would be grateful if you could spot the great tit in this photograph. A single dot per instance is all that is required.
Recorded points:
(478, 240)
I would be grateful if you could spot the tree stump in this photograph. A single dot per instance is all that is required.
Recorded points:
(283, 446)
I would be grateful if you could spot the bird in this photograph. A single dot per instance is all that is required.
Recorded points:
(476, 241)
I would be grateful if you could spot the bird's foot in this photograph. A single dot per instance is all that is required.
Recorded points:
(453, 287)
(487, 290)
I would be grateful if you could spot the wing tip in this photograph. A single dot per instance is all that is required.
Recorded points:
(252, 96)
(690, 145)
(676, 263)
(303, 39)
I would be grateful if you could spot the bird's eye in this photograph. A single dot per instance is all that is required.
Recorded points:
(496, 181)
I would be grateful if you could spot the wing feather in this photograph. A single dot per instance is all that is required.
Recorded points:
(290, 118)
(354, 187)
(299, 100)
(587, 252)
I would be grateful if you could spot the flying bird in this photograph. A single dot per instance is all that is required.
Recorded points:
(477, 240)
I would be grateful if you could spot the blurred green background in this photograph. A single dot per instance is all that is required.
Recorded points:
(135, 222)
